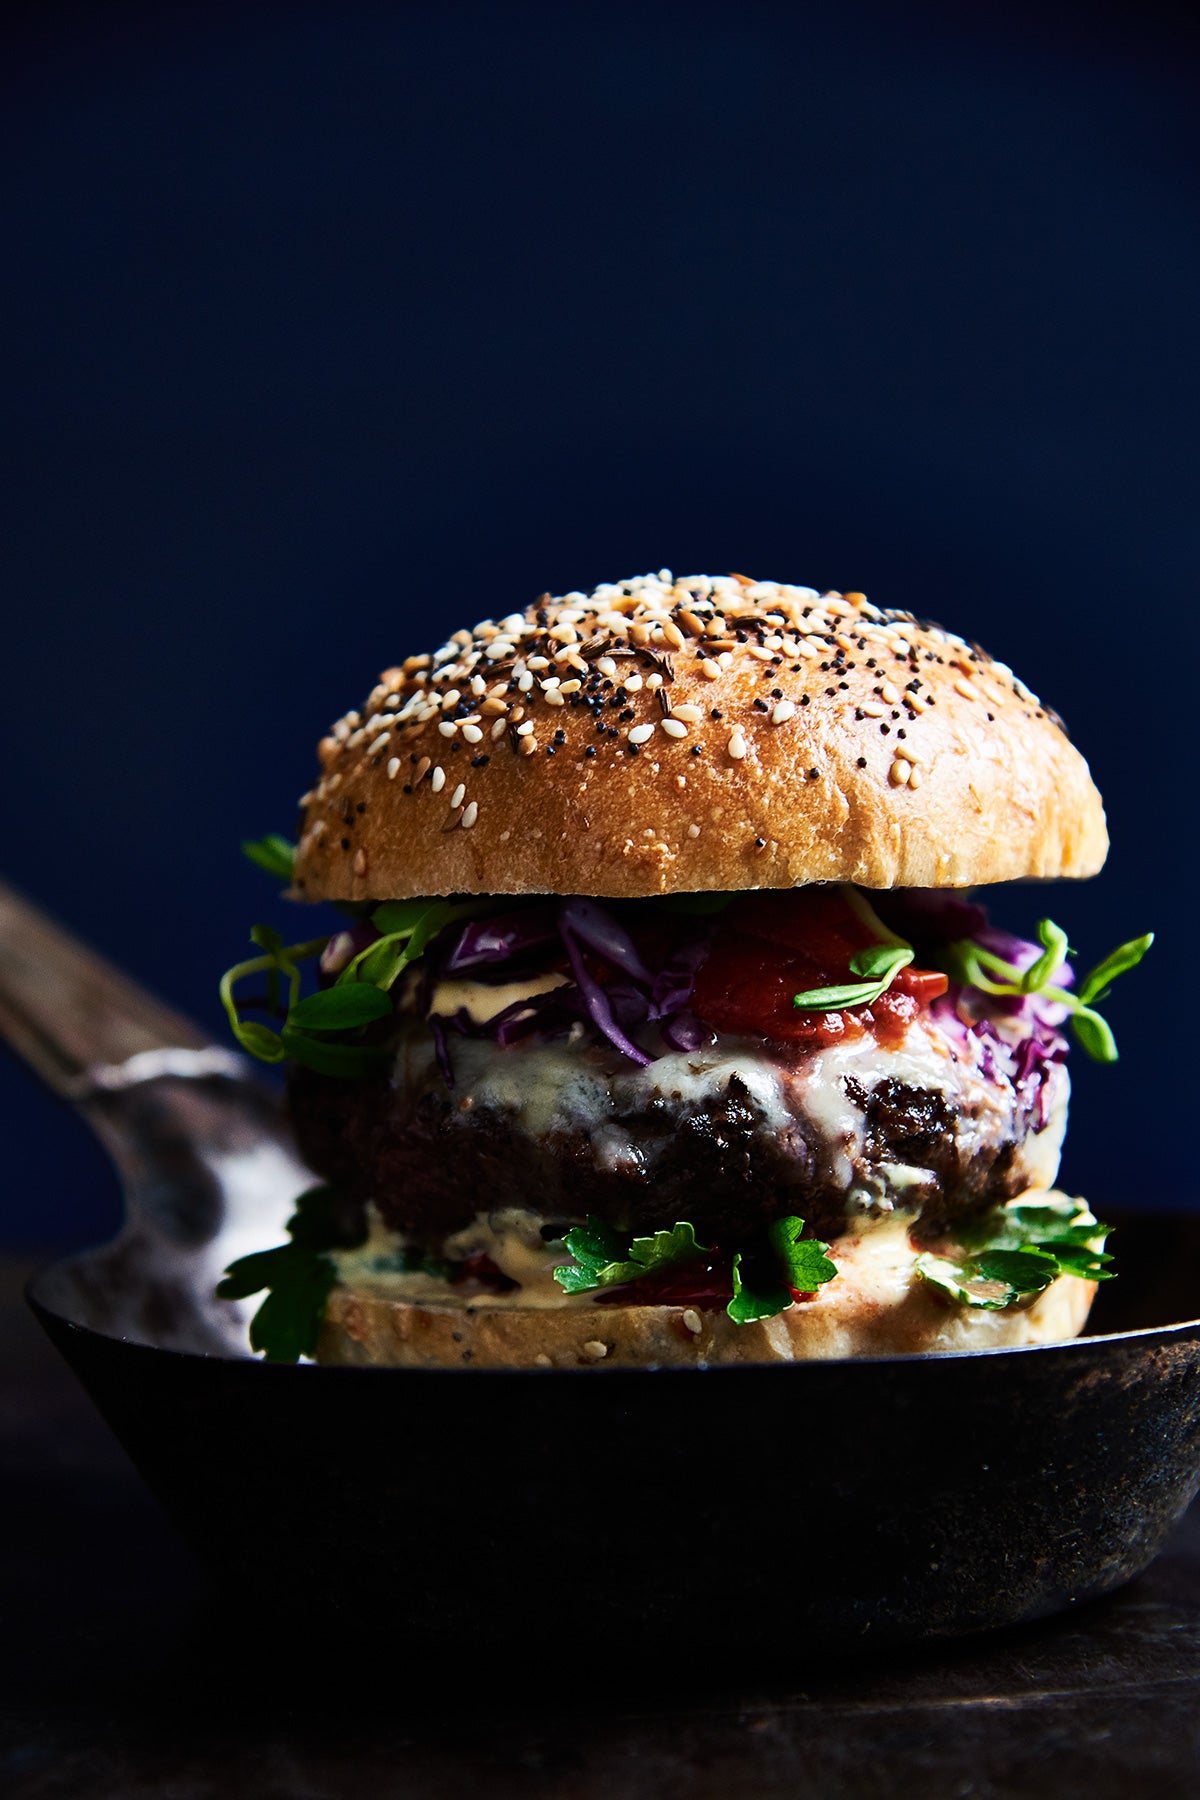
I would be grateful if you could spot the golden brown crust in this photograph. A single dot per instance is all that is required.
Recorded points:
(810, 739)
(363, 1328)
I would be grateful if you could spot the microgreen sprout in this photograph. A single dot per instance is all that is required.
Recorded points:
(968, 962)
(878, 965)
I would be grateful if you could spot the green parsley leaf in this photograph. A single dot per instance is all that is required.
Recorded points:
(963, 1283)
(1025, 1271)
(607, 1258)
(760, 1302)
(794, 1265)
(298, 1277)
(1016, 1251)
(804, 1260)
(273, 853)
(667, 1248)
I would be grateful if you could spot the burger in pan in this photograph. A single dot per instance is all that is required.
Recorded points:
(663, 1020)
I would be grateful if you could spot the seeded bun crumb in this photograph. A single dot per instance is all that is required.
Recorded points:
(658, 737)
(367, 1329)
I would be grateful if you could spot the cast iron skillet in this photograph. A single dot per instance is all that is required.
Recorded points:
(690, 1515)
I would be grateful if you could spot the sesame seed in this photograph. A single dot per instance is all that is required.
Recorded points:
(691, 715)
(692, 1320)
(607, 666)
(528, 746)
(641, 733)
(675, 728)
(459, 795)
(966, 689)
(654, 681)
(898, 774)
(693, 831)
(393, 768)
(472, 734)
(525, 682)
(447, 727)
(594, 1350)
(783, 712)
(553, 697)
(437, 781)
(524, 730)
(904, 751)
(360, 861)
(422, 768)
(470, 814)
(709, 669)
(673, 634)
(736, 746)
(890, 693)
(499, 727)
(915, 776)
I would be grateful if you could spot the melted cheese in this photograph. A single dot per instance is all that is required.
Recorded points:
(573, 1085)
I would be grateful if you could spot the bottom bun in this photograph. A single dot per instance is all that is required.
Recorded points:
(878, 1306)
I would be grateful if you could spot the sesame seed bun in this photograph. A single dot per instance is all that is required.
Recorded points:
(708, 734)
(362, 1327)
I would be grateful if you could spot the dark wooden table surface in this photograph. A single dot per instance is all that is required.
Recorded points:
(124, 1678)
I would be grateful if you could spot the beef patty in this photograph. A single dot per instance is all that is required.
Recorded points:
(569, 1129)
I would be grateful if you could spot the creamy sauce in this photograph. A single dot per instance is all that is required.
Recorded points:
(482, 1002)
(513, 1240)
(875, 1262)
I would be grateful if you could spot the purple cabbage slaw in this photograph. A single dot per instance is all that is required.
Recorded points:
(507, 944)
(635, 998)
(932, 919)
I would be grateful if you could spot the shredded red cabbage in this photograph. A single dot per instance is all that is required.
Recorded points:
(614, 992)
(596, 1000)
(486, 943)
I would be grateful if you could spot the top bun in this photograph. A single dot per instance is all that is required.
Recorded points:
(660, 736)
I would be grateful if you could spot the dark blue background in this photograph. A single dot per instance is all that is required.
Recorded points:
(330, 328)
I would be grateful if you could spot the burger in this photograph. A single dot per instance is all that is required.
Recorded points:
(663, 1020)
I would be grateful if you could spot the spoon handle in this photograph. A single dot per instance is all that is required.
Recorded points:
(70, 1014)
